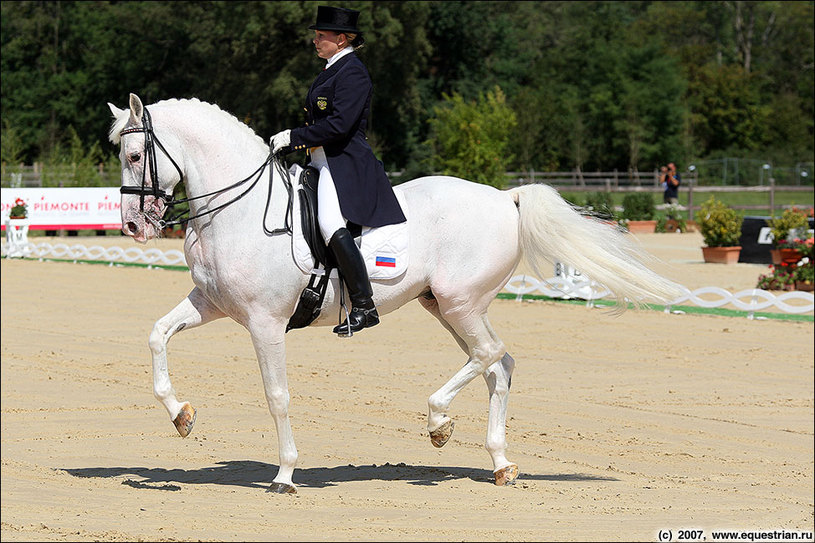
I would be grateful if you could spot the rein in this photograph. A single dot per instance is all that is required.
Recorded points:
(150, 143)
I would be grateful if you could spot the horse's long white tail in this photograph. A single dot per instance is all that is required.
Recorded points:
(553, 230)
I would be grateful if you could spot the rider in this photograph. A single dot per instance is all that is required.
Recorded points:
(353, 185)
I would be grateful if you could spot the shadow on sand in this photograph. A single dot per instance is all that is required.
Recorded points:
(250, 473)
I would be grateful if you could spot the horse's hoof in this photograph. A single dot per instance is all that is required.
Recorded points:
(441, 435)
(282, 488)
(506, 476)
(185, 419)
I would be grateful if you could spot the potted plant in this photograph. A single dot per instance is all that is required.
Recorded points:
(804, 276)
(19, 210)
(671, 224)
(789, 250)
(638, 212)
(804, 271)
(781, 277)
(721, 231)
(672, 221)
(792, 222)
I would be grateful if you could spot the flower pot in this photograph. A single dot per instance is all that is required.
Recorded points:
(775, 254)
(721, 255)
(791, 256)
(642, 227)
(806, 287)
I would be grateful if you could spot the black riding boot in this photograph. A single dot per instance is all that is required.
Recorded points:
(352, 266)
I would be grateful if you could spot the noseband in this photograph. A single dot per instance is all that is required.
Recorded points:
(150, 143)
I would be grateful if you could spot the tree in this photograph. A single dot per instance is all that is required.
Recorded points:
(594, 85)
(470, 139)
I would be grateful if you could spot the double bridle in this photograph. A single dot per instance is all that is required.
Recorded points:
(150, 143)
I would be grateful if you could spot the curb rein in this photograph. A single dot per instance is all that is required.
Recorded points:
(150, 143)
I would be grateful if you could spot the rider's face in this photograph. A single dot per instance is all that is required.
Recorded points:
(328, 43)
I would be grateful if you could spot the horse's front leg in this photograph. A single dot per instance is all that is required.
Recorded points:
(269, 341)
(193, 311)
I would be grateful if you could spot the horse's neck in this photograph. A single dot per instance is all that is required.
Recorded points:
(213, 166)
(240, 231)
(215, 163)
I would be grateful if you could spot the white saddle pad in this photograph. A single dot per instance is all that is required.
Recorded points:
(385, 249)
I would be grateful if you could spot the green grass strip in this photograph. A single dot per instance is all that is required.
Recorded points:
(685, 308)
(110, 263)
(509, 296)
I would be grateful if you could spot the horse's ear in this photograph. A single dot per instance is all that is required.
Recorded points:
(115, 110)
(136, 110)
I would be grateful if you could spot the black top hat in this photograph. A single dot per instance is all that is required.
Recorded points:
(336, 20)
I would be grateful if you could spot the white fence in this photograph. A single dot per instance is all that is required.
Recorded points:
(564, 285)
(750, 300)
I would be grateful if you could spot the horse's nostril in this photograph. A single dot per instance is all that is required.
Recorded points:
(131, 228)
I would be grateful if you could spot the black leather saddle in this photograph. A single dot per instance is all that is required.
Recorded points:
(321, 253)
(311, 299)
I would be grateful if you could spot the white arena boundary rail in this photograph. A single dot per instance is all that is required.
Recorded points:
(564, 286)
(750, 300)
(112, 255)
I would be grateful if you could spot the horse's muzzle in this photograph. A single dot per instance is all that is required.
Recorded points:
(140, 225)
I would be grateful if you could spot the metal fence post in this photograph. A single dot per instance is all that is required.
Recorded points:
(690, 199)
(772, 196)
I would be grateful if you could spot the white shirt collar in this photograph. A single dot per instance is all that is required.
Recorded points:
(338, 55)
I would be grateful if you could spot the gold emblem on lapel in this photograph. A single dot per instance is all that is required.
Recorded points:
(322, 102)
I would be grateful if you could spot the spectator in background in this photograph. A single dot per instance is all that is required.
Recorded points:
(672, 182)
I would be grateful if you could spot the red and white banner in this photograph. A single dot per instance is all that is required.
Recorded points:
(81, 208)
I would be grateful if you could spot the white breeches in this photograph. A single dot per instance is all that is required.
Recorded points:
(329, 214)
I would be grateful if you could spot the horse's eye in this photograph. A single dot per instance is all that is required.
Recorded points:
(134, 157)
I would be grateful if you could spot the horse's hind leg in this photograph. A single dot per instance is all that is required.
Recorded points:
(193, 311)
(440, 426)
(497, 376)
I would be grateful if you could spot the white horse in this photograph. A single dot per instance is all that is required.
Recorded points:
(465, 241)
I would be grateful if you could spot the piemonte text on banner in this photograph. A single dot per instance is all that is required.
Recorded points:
(68, 208)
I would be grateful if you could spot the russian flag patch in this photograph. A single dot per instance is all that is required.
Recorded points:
(386, 262)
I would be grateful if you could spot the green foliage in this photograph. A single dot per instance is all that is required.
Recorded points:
(470, 138)
(670, 224)
(639, 206)
(593, 85)
(720, 224)
(780, 277)
(11, 145)
(791, 221)
(805, 273)
(786, 274)
(726, 108)
(19, 209)
(600, 204)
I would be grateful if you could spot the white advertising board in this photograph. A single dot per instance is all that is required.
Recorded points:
(80, 208)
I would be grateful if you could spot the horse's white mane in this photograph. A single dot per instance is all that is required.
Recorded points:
(122, 118)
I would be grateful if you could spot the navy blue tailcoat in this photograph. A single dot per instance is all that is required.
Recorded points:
(337, 108)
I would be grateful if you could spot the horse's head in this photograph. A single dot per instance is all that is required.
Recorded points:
(149, 173)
